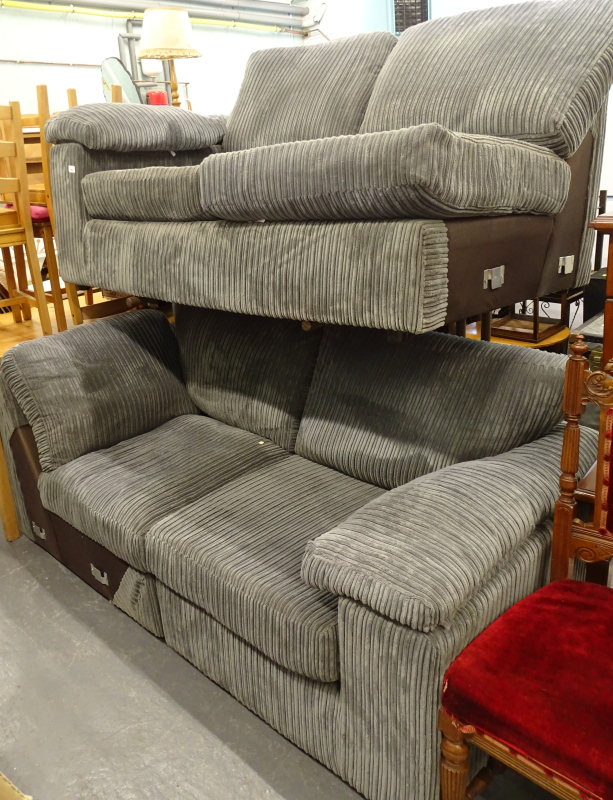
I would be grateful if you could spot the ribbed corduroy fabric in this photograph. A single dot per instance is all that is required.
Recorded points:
(423, 172)
(389, 274)
(377, 728)
(387, 412)
(127, 128)
(96, 385)
(149, 193)
(70, 163)
(137, 597)
(11, 417)
(290, 94)
(391, 681)
(418, 553)
(115, 495)
(586, 249)
(237, 554)
(535, 71)
(251, 372)
(303, 710)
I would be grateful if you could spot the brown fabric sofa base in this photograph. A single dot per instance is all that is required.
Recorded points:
(518, 242)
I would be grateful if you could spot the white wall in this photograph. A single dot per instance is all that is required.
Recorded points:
(447, 8)
(214, 79)
(348, 17)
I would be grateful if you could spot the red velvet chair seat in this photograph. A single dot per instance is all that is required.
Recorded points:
(540, 680)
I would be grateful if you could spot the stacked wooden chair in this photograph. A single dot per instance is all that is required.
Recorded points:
(16, 225)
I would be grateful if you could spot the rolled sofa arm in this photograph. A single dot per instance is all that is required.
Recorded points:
(95, 385)
(133, 128)
(418, 553)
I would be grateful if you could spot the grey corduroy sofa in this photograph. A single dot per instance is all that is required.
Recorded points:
(368, 181)
(318, 520)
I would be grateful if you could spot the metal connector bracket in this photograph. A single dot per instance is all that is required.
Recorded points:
(102, 577)
(40, 532)
(566, 265)
(493, 278)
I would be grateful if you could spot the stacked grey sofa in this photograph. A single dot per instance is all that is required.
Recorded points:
(320, 517)
(369, 181)
(318, 520)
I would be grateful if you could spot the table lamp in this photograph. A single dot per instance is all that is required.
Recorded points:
(166, 35)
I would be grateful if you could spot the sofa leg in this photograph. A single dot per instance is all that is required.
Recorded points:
(454, 761)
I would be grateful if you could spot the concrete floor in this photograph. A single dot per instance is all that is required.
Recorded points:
(92, 707)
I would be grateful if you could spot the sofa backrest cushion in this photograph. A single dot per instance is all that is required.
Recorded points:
(387, 412)
(98, 384)
(250, 372)
(291, 94)
(535, 71)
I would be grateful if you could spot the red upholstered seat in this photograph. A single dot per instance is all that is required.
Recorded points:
(540, 680)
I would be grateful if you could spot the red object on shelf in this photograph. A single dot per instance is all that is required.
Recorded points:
(157, 98)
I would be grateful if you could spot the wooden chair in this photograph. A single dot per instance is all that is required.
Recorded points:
(532, 691)
(116, 303)
(41, 204)
(16, 228)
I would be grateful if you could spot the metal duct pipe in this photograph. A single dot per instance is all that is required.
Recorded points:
(282, 20)
(260, 5)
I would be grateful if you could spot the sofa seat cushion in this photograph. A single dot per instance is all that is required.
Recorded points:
(294, 93)
(421, 172)
(151, 193)
(115, 495)
(126, 128)
(237, 552)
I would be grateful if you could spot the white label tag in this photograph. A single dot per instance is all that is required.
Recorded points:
(71, 168)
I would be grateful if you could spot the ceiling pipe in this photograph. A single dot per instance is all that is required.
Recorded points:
(26, 5)
(204, 10)
(260, 5)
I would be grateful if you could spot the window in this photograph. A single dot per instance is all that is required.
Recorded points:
(410, 12)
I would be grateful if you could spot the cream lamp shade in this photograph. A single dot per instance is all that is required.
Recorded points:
(167, 33)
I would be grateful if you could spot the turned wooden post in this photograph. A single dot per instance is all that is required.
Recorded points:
(454, 760)
(565, 508)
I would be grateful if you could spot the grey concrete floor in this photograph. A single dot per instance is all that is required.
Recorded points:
(92, 707)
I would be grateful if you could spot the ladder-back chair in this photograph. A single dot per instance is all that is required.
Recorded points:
(16, 230)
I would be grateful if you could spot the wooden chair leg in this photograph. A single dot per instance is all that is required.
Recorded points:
(89, 297)
(7, 507)
(37, 282)
(484, 777)
(454, 761)
(22, 278)
(11, 284)
(54, 278)
(73, 302)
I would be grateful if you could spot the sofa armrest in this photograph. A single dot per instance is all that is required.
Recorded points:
(96, 385)
(134, 128)
(418, 553)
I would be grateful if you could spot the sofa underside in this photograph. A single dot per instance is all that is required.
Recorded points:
(376, 726)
